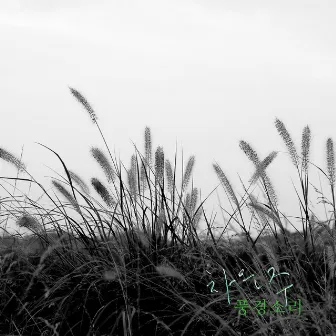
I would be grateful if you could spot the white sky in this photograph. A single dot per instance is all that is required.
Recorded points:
(204, 73)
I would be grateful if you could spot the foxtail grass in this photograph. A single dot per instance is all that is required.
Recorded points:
(138, 263)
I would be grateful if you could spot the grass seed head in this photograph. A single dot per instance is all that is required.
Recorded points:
(331, 161)
(169, 175)
(305, 147)
(148, 145)
(85, 103)
(188, 171)
(159, 164)
(10, 158)
(103, 161)
(80, 182)
(102, 191)
(288, 141)
(249, 151)
(66, 194)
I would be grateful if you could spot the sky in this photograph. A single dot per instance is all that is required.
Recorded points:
(202, 74)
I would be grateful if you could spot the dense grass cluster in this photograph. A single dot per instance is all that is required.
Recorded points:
(138, 264)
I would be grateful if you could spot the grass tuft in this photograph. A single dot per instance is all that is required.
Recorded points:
(145, 266)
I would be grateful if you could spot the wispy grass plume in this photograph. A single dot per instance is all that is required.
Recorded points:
(159, 165)
(331, 161)
(267, 212)
(148, 146)
(66, 194)
(305, 147)
(262, 166)
(102, 191)
(225, 183)
(85, 103)
(104, 163)
(132, 176)
(193, 199)
(190, 206)
(147, 161)
(265, 227)
(187, 206)
(10, 158)
(143, 179)
(80, 182)
(260, 171)
(288, 141)
(169, 175)
(249, 151)
(188, 171)
(28, 222)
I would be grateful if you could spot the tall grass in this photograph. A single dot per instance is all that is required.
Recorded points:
(137, 263)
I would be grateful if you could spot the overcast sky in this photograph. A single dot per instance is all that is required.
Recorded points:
(200, 73)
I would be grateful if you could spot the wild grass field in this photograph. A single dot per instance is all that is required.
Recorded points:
(138, 264)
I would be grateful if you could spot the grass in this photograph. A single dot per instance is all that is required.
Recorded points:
(138, 264)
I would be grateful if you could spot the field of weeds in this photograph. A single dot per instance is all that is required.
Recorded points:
(137, 264)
